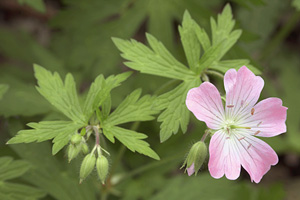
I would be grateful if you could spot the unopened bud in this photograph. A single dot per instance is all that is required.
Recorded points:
(84, 148)
(73, 151)
(102, 167)
(76, 139)
(87, 166)
(195, 158)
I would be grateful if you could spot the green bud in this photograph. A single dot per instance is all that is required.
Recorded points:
(76, 139)
(84, 148)
(195, 157)
(73, 151)
(87, 166)
(83, 132)
(102, 167)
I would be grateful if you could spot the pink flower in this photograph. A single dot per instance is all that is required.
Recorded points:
(234, 142)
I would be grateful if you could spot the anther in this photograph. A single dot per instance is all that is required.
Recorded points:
(257, 132)
(230, 106)
(242, 102)
(259, 123)
(241, 138)
(227, 138)
(249, 146)
(252, 111)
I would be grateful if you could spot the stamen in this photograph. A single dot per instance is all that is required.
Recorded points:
(230, 106)
(233, 126)
(252, 111)
(249, 146)
(259, 123)
(257, 132)
(228, 131)
(227, 138)
(241, 138)
(242, 102)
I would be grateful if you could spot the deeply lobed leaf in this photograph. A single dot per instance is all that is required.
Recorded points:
(132, 140)
(61, 95)
(46, 130)
(152, 61)
(133, 108)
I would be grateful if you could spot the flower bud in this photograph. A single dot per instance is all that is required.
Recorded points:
(87, 166)
(76, 139)
(102, 167)
(84, 148)
(195, 158)
(73, 151)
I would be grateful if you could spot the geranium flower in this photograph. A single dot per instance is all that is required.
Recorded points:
(234, 142)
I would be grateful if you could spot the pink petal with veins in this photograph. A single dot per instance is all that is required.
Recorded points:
(224, 158)
(242, 94)
(206, 104)
(257, 157)
(268, 118)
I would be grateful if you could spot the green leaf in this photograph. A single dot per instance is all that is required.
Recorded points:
(100, 91)
(132, 140)
(175, 112)
(61, 131)
(222, 31)
(10, 169)
(17, 191)
(296, 4)
(22, 99)
(133, 108)
(50, 173)
(190, 41)
(3, 89)
(211, 55)
(36, 4)
(152, 61)
(225, 65)
(61, 95)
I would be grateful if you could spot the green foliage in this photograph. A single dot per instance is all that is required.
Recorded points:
(52, 175)
(100, 91)
(131, 139)
(61, 131)
(10, 169)
(160, 62)
(36, 4)
(22, 99)
(296, 4)
(132, 109)
(61, 95)
(3, 89)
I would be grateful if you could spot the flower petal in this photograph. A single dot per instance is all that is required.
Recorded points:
(190, 170)
(267, 119)
(206, 104)
(256, 156)
(224, 157)
(229, 79)
(242, 94)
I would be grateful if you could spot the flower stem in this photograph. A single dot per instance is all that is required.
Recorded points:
(215, 73)
(205, 135)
